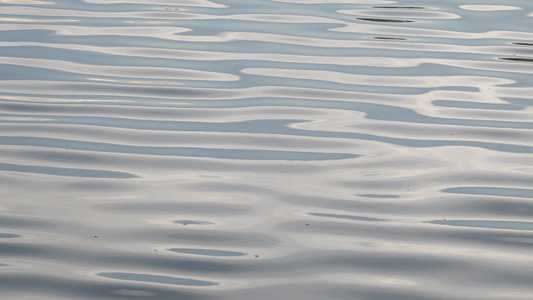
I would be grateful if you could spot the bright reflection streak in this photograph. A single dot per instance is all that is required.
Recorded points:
(489, 7)
(23, 20)
(26, 2)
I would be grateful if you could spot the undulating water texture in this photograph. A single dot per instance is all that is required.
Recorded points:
(266, 149)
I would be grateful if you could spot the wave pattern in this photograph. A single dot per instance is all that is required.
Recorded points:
(292, 149)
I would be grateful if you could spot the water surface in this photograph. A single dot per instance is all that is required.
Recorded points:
(263, 149)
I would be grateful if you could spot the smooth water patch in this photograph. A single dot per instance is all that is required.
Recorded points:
(378, 196)
(207, 252)
(348, 217)
(69, 172)
(8, 235)
(476, 105)
(513, 225)
(236, 154)
(491, 191)
(26, 222)
(193, 222)
(148, 278)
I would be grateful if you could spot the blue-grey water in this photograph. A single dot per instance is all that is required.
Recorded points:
(266, 149)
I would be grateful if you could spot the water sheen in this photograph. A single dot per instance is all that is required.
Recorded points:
(266, 149)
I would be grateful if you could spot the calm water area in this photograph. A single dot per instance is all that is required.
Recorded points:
(266, 149)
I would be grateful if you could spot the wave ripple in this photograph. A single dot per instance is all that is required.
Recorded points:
(263, 149)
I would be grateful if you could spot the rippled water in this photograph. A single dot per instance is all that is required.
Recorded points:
(266, 149)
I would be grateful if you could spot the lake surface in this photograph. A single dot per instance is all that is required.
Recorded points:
(266, 149)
